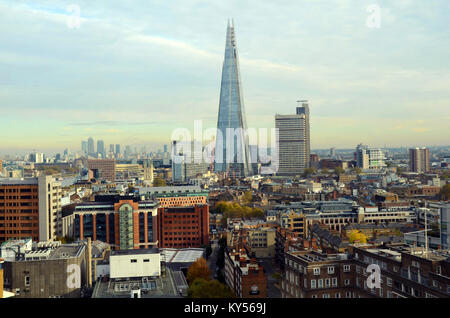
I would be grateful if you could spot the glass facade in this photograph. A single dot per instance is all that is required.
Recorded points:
(232, 152)
(100, 227)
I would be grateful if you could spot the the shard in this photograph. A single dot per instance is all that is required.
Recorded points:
(232, 155)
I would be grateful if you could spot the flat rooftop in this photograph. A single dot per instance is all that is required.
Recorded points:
(164, 286)
(135, 252)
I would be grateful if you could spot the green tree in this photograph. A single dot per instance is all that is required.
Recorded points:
(325, 171)
(202, 288)
(159, 182)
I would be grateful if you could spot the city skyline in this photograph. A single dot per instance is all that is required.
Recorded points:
(101, 78)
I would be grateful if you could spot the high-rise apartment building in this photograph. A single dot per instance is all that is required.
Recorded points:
(293, 141)
(117, 149)
(419, 160)
(30, 208)
(232, 155)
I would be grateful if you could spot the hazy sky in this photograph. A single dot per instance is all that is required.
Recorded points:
(136, 70)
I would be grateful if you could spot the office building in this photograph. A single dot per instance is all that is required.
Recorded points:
(124, 222)
(102, 169)
(419, 160)
(175, 196)
(101, 149)
(30, 208)
(183, 226)
(369, 158)
(117, 150)
(293, 142)
(84, 147)
(445, 226)
(231, 154)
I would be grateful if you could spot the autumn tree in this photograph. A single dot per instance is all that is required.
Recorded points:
(308, 171)
(325, 171)
(355, 236)
(198, 269)
(445, 192)
(248, 197)
(202, 288)
(159, 182)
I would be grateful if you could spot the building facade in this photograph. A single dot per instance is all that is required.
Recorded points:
(232, 155)
(30, 208)
(419, 160)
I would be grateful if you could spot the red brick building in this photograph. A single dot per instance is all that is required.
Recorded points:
(243, 275)
(183, 226)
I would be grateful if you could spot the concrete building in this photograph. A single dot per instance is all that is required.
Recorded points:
(419, 160)
(135, 263)
(369, 158)
(49, 270)
(30, 208)
(293, 142)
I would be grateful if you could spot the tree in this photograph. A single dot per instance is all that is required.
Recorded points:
(198, 269)
(159, 182)
(357, 170)
(445, 192)
(355, 236)
(325, 171)
(248, 197)
(308, 171)
(399, 170)
(202, 288)
(339, 170)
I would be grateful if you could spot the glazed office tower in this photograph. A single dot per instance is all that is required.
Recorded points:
(231, 154)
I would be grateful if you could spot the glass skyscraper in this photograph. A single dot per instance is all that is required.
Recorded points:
(231, 154)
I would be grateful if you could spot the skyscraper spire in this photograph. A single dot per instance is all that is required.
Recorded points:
(232, 152)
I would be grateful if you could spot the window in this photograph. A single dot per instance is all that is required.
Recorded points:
(327, 282)
(326, 296)
(314, 296)
(348, 294)
(313, 283)
(331, 270)
(337, 295)
(27, 280)
(334, 281)
(320, 283)
(389, 281)
(347, 282)
(438, 270)
(316, 271)
(346, 268)
(133, 261)
(146, 260)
